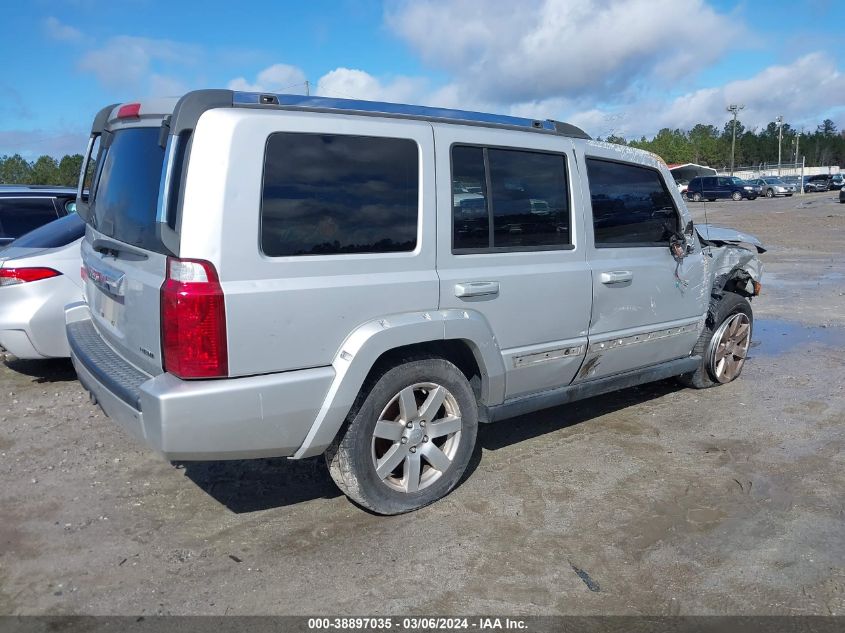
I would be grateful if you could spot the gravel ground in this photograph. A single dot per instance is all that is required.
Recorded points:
(667, 500)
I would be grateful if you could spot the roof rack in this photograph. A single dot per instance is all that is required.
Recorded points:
(193, 104)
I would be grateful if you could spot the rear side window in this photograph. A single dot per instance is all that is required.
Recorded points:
(22, 215)
(54, 234)
(631, 205)
(505, 199)
(126, 196)
(327, 194)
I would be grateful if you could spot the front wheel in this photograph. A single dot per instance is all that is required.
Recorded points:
(770, 193)
(696, 197)
(736, 196)
(410, 441)
(723, 345)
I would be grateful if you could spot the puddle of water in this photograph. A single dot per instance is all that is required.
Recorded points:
(772, 337)
(772, 279)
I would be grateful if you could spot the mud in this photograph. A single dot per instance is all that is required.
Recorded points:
(655, 500)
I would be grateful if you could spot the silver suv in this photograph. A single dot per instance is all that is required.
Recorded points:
(278, 275)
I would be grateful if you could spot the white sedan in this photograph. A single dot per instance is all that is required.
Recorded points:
(39, 275)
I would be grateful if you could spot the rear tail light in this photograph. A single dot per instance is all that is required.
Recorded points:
(193, 320)
(14, 276)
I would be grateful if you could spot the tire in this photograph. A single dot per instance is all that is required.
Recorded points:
(696, 197)
(736, 196)
(724, 312)
(378, 435)
(770, 193)
(752, 197)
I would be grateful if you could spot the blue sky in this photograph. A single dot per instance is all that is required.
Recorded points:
(629, 67)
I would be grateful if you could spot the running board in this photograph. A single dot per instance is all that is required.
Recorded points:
(571, 393)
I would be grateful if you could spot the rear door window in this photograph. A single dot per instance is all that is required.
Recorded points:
(22, 215)
(521, 195)
(126, 197)
(631, 205)
(329, 194)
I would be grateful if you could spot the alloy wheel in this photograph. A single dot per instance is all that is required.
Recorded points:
(729, 347)
(416, 437)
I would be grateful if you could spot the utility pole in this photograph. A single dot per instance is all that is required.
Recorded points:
(734, 109)
(779, 121)
(307, 88)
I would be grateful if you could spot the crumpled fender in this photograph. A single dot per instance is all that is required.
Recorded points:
(720, 235)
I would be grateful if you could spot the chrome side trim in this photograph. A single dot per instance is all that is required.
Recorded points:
(645, 337)
(526, 360)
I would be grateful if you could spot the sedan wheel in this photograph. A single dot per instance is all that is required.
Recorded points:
(770, 193)
(736, 195)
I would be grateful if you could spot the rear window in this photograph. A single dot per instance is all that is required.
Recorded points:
(57, 233)
(126, 192)
(327, 194)
(22, 215)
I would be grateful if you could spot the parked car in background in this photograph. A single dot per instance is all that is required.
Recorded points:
(715, 187)
(329, 278)
(682, 186)
(820, 182)
(837, 181)
(751, 186)
(773, 186)
(39, 275)
(814, 185)
(26, 207)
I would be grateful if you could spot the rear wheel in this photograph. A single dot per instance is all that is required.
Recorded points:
(696, 197)
(770, 193)
(411, 440)
(723, 345)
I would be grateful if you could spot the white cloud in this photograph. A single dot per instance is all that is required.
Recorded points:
(62, 32)
(138, 63)
(539, 49)
(275, 78)
(351, 83)
(801, 91)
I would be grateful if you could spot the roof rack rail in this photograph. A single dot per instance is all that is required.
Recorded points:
(193, 104)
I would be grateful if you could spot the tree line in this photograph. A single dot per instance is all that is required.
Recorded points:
(703, 144)
(46, 170)
(707, 145)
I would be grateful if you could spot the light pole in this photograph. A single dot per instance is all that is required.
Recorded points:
(734, 109)
(779, 121)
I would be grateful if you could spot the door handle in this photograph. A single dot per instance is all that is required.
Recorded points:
(616, 277)
(476, 288)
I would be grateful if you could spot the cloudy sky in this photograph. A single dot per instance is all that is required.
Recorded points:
(625, 67)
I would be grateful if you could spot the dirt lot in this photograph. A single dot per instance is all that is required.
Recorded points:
(671, 501)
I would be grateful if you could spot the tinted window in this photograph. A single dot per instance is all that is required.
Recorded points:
(328, 194)
(631, 205)
(126, 196)
(527, 202)
(21, 215)
(528, 198)
(56, 233)
(470, 218)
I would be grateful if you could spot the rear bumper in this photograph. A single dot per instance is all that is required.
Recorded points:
(32, 317)
(232, 418)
